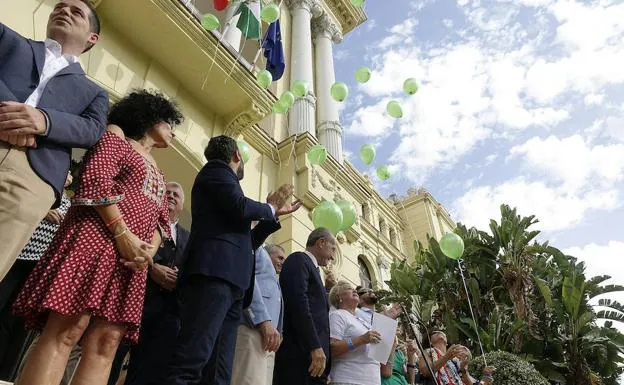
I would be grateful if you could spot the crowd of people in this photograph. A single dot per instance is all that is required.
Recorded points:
(108, 288)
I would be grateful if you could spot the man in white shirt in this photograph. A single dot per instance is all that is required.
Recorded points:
(47, 107)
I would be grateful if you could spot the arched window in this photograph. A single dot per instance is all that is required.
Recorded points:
(365, 276)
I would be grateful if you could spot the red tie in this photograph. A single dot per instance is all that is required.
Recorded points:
(220, 5)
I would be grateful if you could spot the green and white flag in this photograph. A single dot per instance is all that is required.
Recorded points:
(249, 22)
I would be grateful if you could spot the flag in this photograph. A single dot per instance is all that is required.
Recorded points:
(274, 51)
(249, 21)
(220, 5)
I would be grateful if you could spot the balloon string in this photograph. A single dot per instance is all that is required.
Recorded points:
(461, 271)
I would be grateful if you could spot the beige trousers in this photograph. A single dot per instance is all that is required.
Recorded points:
(25, 199)
(70, 369)
(252, 365)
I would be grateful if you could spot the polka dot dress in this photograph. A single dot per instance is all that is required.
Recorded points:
(81, 271)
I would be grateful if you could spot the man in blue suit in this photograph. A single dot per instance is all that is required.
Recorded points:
(259, 334)
(47, 107)
(216, 280)
(304, 357)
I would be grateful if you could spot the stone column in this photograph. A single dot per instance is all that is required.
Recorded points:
(302, 114)
(233, 35)
(329, 129)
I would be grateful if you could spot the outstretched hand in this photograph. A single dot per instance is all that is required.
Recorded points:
(278, 198)
(289, 208)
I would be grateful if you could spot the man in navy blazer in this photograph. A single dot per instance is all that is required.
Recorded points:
(47, 107)
(218, 273)
(304, 357)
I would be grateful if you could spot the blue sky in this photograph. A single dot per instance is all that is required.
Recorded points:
(521, 102)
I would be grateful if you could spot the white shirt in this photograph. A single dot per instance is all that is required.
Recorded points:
(313, 258)
(173, 226)
(55, 61)
(365, 315)
(353, 367)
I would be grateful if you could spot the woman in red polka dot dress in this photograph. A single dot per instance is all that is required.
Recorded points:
(90, 285)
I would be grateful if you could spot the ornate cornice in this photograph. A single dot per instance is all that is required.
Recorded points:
(324, 26)
(348, 15)
(244, 119)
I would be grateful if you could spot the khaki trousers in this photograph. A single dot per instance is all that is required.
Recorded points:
(252, 365)
(25, 199)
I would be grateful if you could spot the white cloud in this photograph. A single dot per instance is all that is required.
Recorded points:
(601, 259)
(557, 208)
(505, 76)
(371, 121)
(615, 127)
(572, 161)
(594, 99)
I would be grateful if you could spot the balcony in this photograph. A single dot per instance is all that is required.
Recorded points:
(170, 33)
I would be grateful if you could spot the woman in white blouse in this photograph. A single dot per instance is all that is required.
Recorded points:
(350, 339)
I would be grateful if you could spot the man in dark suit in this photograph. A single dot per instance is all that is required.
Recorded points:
(161, 321)
(304, 357)
(216, 280)
(47, 107)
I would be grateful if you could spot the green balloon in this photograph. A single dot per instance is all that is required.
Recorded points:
(300, 88)
(210, 22)
(339, 91)
(452, 246)
(288, 98)
(317, 154)
(328, 215)
(270, 13)
(367, 154)
(394, 109)
(244, 150)
(358, 3)
(383, 173)
(349, 214)
(363, 74)
(264, 79)
(279, 107)
(410, 86)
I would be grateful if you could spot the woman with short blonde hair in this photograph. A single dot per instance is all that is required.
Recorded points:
(350, 340)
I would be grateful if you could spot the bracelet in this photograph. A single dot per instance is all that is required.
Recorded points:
(350, 343)
(412, 366)
(120, 234)
(117, 219)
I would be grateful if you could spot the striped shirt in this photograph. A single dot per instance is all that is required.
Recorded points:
(43, 235)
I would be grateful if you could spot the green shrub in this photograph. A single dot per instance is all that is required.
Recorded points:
(510, 369)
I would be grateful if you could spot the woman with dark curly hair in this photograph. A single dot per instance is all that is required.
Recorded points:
(90, 284)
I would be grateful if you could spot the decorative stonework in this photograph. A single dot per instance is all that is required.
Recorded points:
(330, 125)
(324, 26)
(312, 6)
(244, 120)
(348, 15)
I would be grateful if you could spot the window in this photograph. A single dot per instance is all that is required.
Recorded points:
(393, 237)
(365, 276)
(366, 212)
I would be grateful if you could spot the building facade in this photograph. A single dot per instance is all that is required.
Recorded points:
(160, 44)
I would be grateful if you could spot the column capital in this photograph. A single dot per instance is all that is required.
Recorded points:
(313, 6)
(330, 125)
(324, 26)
